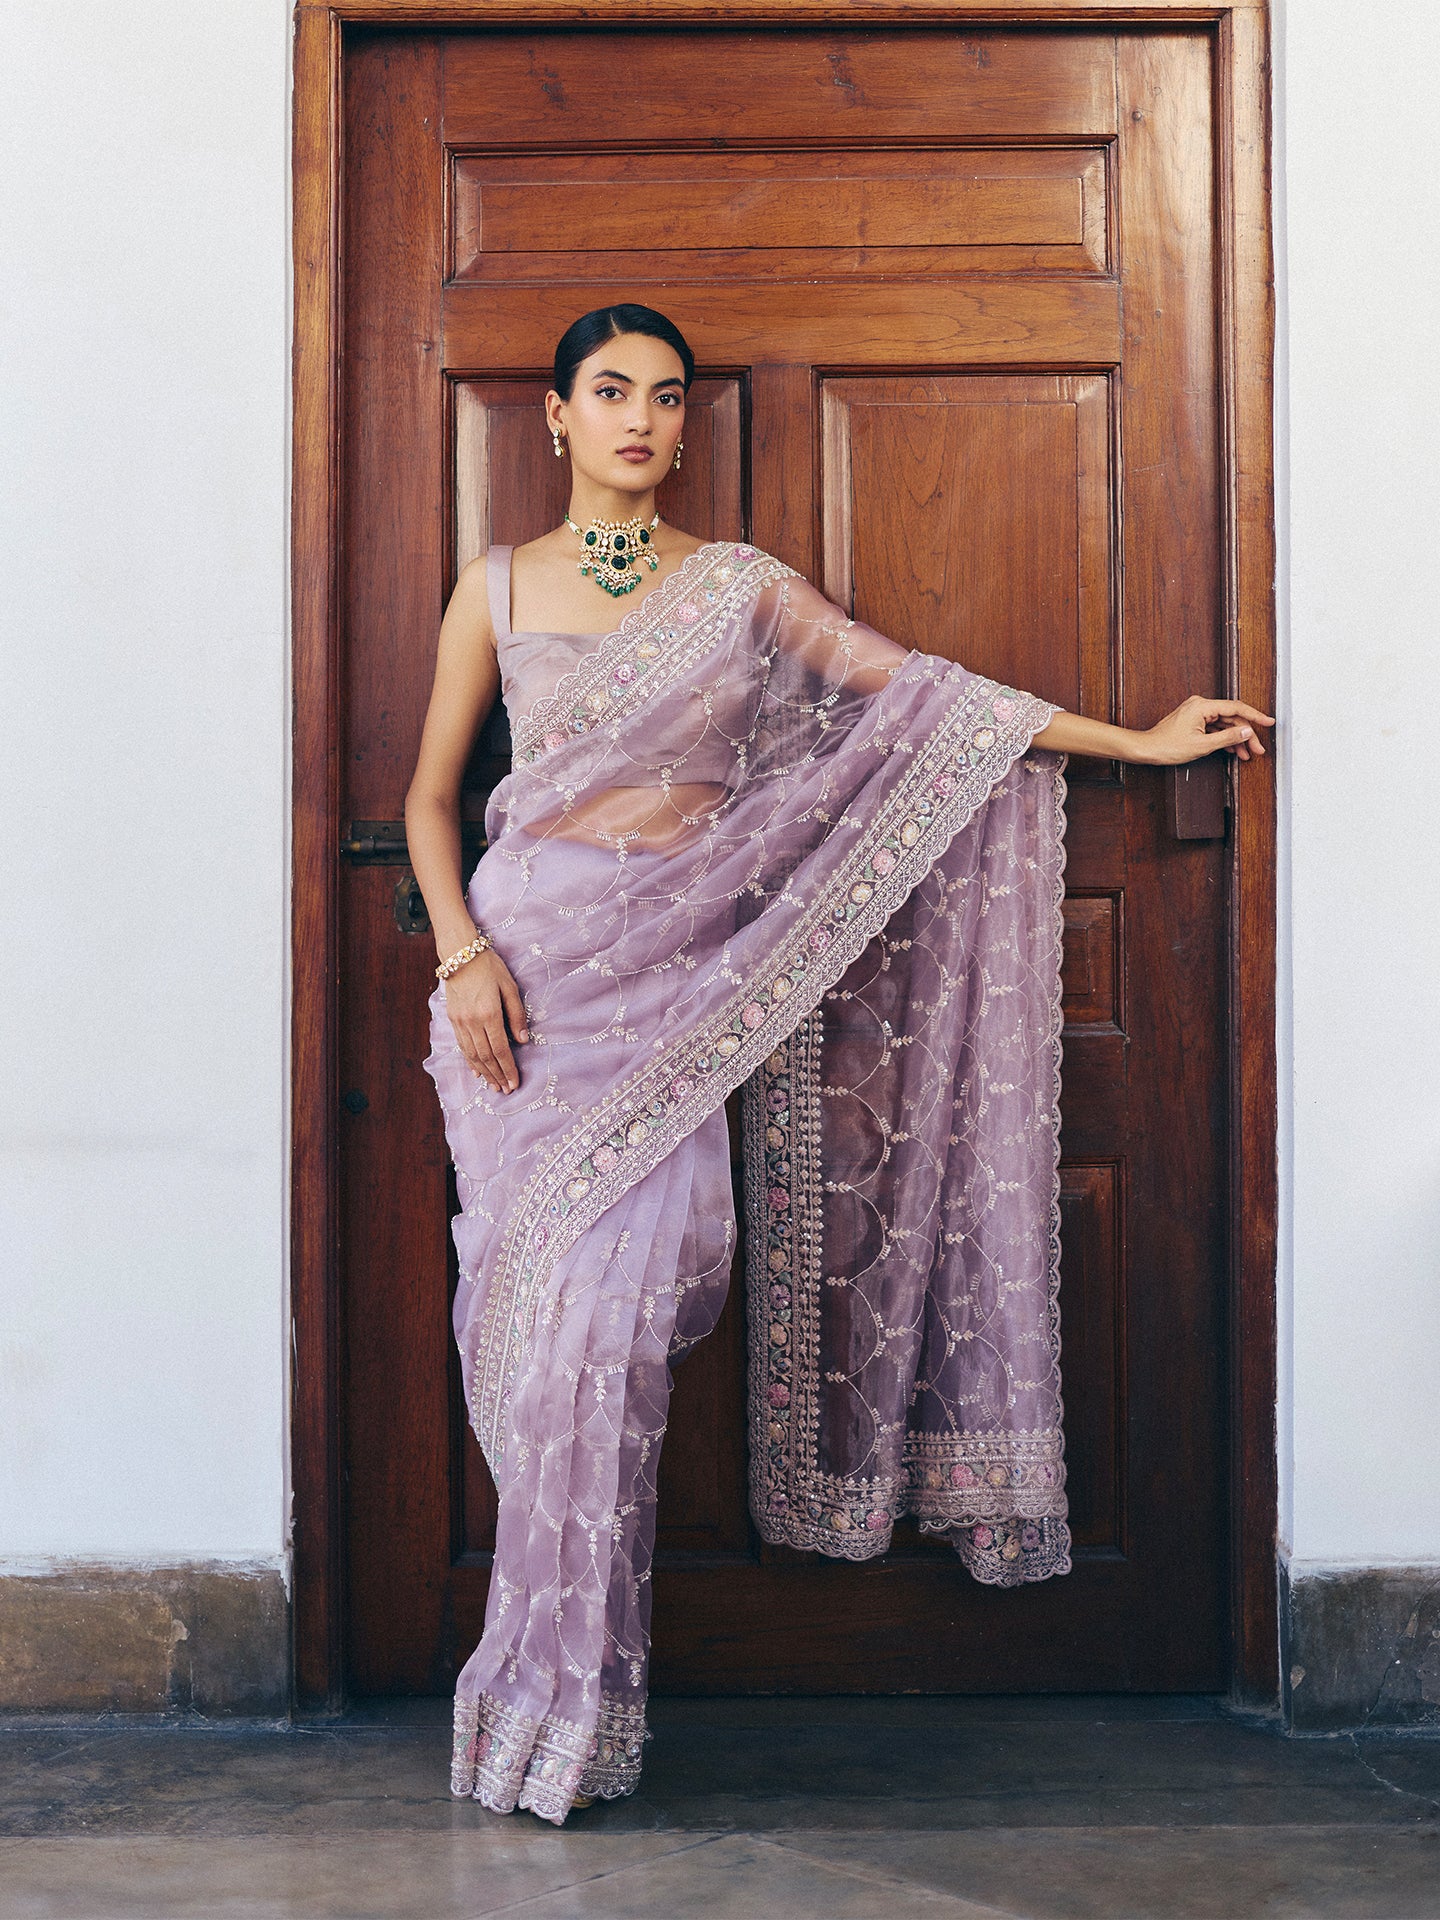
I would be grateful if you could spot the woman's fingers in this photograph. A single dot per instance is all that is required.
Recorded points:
(479, 1053)
(477, 1056)
(1198, 727)
(478, 1014)
(1237, 710)
(1243, 739)
(1200, 719)
(500, 1051)
(514, 1008)
(479, 1008)
(1240, 735)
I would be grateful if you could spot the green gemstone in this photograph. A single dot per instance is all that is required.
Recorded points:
(590, 539)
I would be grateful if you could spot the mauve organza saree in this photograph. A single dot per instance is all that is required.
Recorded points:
(749, 841)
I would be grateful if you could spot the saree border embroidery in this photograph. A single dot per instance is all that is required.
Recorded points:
(614, 1765)
(947, 777)
(998, 1496)
(506, 1759)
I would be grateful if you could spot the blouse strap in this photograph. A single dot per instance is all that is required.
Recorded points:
(497, 576)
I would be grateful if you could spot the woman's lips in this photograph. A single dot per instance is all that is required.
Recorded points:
(635, 454)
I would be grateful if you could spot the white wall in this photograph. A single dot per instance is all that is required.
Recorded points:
(1358, 161)
(143, 259)
(143, 1360)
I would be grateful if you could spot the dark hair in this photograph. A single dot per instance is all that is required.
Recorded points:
(592, 330)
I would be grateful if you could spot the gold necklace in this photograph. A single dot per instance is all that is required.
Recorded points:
(613, 551)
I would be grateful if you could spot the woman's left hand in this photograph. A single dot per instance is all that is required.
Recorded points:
(1199, 726)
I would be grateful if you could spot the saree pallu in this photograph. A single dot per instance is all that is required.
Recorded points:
(749, 842)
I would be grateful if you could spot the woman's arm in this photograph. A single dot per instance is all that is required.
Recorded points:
(1185, 734)
(836, 651)
(480, 996)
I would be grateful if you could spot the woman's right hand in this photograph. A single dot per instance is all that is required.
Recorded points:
(482, 1001)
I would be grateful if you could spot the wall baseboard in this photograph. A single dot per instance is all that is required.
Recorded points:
(1360, 1647)
(209, 1637)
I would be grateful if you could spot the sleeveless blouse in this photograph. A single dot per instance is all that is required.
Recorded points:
(532, 665)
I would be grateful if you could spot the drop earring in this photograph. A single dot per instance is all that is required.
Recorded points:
(555, 436)
(678, 445)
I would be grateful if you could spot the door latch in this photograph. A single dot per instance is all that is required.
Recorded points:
(410, 914)
(1199, 798)
(381, 843)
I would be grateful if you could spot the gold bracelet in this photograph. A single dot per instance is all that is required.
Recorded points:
(457, 960)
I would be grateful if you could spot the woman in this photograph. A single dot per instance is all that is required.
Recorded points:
(747, 841)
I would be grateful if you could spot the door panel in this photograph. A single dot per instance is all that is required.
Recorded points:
(827, 211)
(952, 296)
(984, 526)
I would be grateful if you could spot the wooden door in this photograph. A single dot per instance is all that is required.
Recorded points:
(953, 297)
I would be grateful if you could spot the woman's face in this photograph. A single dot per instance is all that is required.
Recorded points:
(625, 413)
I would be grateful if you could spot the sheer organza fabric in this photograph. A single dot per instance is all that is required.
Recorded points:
(747, 841)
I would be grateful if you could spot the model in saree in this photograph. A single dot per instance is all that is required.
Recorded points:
(746, 841)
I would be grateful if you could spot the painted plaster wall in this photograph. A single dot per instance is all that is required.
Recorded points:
(1358, 162)
(142, 1341)
(143, 1349)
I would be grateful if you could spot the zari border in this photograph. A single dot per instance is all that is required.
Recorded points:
(948, 777)
(506, 1759)
(999, 1497)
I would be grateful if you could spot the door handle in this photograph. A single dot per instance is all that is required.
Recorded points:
(1198, 798)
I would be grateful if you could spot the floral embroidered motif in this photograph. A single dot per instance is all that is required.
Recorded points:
(608, 680)
(862, 928)
(620, 1735)
(997, 1495)
(944, 783)
(505, 1761)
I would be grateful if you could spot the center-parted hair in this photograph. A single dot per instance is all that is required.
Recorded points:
(592, 330)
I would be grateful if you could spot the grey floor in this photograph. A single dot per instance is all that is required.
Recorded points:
(1070, 1808)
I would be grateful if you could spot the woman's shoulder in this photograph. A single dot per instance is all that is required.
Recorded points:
(468, 609)
(472, 582)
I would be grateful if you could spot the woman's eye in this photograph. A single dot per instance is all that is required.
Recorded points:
(605, 392)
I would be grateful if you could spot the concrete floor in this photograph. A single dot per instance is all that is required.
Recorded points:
(1083, 1808)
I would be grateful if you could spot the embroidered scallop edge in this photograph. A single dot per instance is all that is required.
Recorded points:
(541, 1764)
(853, 1518)
(523, 1264)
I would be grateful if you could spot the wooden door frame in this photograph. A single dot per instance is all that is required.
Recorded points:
(1240, 36)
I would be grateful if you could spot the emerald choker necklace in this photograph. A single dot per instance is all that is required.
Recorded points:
(613, 551)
